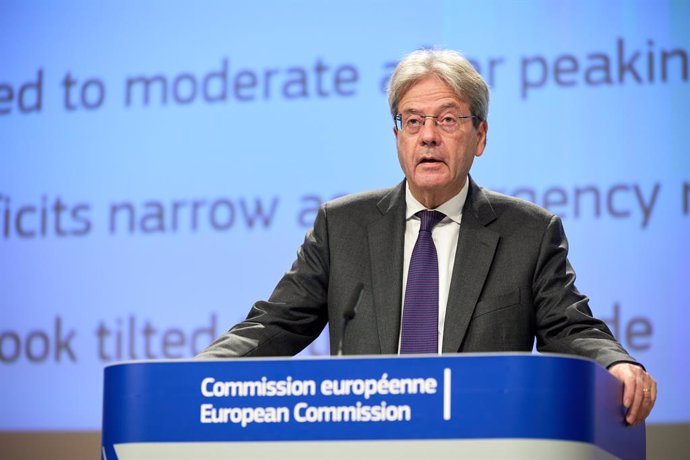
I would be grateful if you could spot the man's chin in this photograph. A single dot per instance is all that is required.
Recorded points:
(429, 193)
(432, 182)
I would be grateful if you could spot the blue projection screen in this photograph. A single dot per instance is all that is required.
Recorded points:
(160, 163)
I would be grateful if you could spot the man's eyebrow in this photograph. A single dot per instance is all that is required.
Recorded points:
(447, 105)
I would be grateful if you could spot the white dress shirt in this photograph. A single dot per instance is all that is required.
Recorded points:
(445, 235)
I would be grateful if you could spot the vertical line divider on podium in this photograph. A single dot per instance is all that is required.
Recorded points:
(450, 406)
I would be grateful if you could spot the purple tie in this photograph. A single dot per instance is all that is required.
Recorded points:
(420, 313)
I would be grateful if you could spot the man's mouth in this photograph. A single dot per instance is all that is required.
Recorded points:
(429, 160)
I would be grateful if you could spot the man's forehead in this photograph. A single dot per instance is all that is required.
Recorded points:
(430, 92)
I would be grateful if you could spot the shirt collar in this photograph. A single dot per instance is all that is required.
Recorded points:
(451, 208)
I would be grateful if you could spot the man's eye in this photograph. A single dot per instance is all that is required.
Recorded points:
(414, 121)
(448, 120)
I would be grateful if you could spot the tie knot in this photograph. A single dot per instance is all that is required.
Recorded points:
(429, 219)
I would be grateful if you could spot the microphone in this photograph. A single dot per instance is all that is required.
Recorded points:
(349, 313)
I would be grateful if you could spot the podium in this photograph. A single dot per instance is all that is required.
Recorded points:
(511, 406)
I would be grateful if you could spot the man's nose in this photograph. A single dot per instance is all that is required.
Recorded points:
(429, 135)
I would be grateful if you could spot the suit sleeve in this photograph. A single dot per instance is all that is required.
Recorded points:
(296, 312)
(564, 321)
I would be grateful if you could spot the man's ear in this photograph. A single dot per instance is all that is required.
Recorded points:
(482, 132)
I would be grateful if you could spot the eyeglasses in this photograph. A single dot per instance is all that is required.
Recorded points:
(413, 123)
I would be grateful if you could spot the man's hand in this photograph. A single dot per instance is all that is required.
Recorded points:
(639, 391)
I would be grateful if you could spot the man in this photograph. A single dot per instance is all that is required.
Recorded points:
(480, 272)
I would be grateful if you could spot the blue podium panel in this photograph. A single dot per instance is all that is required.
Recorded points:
(469, 406)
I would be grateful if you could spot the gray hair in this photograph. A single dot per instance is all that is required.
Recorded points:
(448, 65)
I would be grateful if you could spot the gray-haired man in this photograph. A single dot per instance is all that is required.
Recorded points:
(493, 268)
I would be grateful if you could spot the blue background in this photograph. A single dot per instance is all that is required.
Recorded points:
(290, 150)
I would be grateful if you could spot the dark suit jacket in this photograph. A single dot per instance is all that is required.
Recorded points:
(511, 282)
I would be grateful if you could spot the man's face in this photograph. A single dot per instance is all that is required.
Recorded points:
(434, 161)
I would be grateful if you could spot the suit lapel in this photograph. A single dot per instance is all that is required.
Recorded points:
(475, 252)
(386, 241)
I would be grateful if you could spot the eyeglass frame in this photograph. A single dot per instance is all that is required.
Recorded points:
(398, 120)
